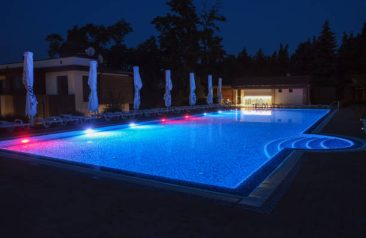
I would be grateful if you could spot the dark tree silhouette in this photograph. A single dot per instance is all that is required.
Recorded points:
(283, 60)
(189, 40)
(179, 43)
(325, 53)
(212, 50)
(78, 39)
(302, 61)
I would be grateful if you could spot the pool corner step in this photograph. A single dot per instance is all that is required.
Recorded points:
(266, 189)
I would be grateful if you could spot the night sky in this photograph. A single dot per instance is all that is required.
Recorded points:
(252, 24)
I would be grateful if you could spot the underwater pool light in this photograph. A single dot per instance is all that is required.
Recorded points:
(25, 141)
(219, 111)
(132, 124)
(89, 131)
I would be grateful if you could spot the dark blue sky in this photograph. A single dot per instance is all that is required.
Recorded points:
(252, 24)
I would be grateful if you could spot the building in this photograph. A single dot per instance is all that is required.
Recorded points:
(268, 90)
(61, 86)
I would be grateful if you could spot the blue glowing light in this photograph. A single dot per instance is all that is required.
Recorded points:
(89, 131)
(132, 124)
(205, 113)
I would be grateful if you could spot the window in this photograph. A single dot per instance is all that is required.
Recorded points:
(62, 85)
(290, 90)
(280, 90)
(2, 86)
(86, 89)
(17, 83)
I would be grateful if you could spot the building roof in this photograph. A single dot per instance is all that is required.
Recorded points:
(62, 64)
(271, 81)
(51, 63)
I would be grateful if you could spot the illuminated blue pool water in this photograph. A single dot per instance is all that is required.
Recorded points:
(217, 149)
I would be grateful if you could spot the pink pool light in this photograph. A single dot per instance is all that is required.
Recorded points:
(25, 141)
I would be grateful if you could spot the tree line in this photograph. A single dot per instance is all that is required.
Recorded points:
(189, 40)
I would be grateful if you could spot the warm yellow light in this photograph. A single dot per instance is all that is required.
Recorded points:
(258, 97)
(256, 112)
(259, 100)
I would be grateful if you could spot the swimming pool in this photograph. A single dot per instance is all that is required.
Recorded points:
(220, 150)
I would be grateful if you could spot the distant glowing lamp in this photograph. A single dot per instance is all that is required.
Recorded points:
(186, 116)
(205, 113)
(219, 111)
(163, 119)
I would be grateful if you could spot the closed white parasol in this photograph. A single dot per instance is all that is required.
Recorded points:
(168, 88)
(92, 82)
(138, 85)
(28, 80)
(219, 91)
(192, 87)
(210, 92)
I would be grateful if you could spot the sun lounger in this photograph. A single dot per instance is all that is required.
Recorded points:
(150, 112)
(71, 119)
(90, 118)
(9, 126)
(111, 115)
(50, 121)
(20, 123)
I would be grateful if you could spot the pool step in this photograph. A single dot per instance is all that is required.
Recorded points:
(307, 142)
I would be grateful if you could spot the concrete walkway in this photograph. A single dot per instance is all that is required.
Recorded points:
(326, 199)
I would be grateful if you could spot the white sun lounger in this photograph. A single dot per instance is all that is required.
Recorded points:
(111, 115)
(10, 126)
(70, 118)
(50, 121)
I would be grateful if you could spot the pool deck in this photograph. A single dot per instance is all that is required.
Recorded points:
(327, 198)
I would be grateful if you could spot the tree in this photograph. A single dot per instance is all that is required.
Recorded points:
(179, 35)
(212, 51)
(283, 60)
(360, 45)
(245, 63)
(346, 56)
(55, 43)
(148, 56)
(325, 52)
(351, 62)
(302, 61)
(179, 42)
(260, 63)
(101, 38)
